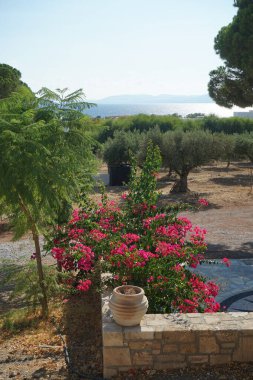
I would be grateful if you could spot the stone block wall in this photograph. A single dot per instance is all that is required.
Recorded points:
(176, 341)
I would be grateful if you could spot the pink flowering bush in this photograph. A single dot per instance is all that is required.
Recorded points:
(137, 243)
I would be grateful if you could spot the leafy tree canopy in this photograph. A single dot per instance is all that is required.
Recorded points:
(63, 105)
(232, 84)
(184, 151)
(43, 166)
(9, 80)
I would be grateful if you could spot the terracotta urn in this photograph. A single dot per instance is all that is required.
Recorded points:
(128, 305)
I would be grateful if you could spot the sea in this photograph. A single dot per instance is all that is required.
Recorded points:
(182, 109)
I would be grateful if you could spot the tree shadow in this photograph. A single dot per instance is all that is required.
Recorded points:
(236, 180)
(191, 198)
(219, 251)
(220, 169)
(7, 270)
(245, 165)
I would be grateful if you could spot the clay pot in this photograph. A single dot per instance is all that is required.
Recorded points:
(128, 305)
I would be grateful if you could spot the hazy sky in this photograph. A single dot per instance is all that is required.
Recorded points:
(110, 47)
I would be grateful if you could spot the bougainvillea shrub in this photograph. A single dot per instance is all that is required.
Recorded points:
(137, 243)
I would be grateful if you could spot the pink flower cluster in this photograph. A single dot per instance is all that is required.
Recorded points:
(203, 202)
(145, 247)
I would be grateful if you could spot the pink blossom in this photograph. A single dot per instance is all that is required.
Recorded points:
(203, 202)
(130, 238)
(83, 286)
(97, 235)
(226, 261)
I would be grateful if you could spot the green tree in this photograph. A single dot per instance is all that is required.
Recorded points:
(41, 166)
(244, 146)
(232, 84)
(184, 151)
(67, 107)
(9, 80)
(118, 150)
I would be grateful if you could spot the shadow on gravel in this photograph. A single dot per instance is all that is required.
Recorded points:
(218, 251)
(236, 180)
(220, 170)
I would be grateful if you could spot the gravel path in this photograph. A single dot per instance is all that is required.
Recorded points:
(229, 230)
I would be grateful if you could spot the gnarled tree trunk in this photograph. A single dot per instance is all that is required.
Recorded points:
(181, 185)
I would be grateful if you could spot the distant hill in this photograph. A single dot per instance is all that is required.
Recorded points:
(147, 99)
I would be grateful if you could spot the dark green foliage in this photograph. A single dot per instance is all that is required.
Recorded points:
(118, 150)
(140, 123)
(244, 146)
(156, 137)
(232, 84)
(224, 147)
(9, 80)
(142, 187)
(44, 166)
(41, 164)
(227, 125)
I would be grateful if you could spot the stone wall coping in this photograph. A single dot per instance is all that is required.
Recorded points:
(239, 321)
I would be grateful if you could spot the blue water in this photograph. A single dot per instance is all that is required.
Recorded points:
(183, 109)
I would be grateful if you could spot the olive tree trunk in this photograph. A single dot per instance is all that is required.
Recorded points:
(181, 185)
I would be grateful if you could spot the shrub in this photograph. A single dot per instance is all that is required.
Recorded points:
(118, 150)
(139, 244)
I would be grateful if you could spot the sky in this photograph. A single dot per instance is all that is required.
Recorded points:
(113, 47)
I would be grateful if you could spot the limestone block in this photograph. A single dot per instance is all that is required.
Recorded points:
(141, 345)
(170, 348)
(220, 359)
(156, 345)
(229, 345)
(170, 358)
(116, 356)
(208, 345)
(110, 372)
(244, 351)
(179, 336)
(142, 358)
(188, 348)
(226, 336)
(113, 339)
(198, 359)
(138, 333)
(158, 334)
(111, 327)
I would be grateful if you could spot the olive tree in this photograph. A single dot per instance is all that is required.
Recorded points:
(244, 146)
(184, 151)
(118, 150)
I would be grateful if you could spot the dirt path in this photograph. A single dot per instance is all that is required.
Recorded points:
(229, 230)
